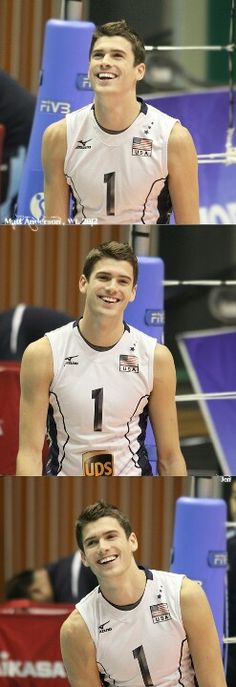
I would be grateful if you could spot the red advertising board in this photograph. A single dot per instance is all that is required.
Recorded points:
(9, 417)
(29, 644)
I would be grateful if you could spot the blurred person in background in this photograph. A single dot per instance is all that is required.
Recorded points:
(17, 106)
(66, 580)
(24, 324)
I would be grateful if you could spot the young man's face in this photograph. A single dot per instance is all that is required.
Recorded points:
(107, 551)
(111, 68)
(109, 288)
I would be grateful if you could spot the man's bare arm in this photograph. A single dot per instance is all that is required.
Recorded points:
(202, 635)
(163, 415)
(183, 176)
(36, 375)
(56, 189)
(78, 653)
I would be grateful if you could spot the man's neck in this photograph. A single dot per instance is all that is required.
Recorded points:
(116, 115)
(126, 589)
(100, 331)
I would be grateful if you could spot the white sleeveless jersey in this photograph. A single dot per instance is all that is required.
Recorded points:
(98, 404)
(141, 645)
(119, 178)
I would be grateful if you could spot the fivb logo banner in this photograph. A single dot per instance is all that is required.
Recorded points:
(146, 313)
(206, 116)
(63, 87)
(211, 363)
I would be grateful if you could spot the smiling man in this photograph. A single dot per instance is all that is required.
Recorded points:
(102, 378)
(123, 161)
(138, 627)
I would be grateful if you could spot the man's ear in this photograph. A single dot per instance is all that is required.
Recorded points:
(83, 558)
(133, 541)
(134, 291)
(140, 71)
(83, 284)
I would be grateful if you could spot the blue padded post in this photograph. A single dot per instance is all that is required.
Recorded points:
(147, 314)
(199, 549)
(63, 87)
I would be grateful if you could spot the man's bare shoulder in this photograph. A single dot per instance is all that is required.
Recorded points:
(57, 130)
(179, 134)
(38, 356)
(162, 358)
(192, 595)
(72, 623)
(74, 627)
(181, 141)
(55, 138)
(78, 652)
(38, 348)
(162, 352)
(191, 589)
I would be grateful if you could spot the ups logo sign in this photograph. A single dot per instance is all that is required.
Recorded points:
(97, 464)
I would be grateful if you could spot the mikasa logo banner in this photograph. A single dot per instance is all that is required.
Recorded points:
(97, 464)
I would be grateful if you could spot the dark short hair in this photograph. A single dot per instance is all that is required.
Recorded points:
(18, 586)
(97, 510)
(121, 28)
(111, 249)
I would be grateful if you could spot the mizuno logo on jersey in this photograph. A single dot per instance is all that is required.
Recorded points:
(128, 363)
(70, 360)
(101, 627)
(160, 612)
(83, 144)
(142, 147)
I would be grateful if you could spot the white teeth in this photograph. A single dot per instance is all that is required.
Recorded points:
(110, 300)
(106, 75)
(108, 559)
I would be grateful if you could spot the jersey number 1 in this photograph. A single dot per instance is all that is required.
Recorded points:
(97, 394)
(109, 179)
(140, 655)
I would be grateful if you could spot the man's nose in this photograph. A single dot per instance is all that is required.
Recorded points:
(112, 285)
(102, 549)
(106, 60)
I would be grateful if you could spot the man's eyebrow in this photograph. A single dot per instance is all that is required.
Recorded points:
(95, 536)
(123, 52)
(104, 273)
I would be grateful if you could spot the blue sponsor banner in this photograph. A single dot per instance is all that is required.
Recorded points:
(154, 317)
(205, 114)
(63, 87)
(199, 549)
(82, 82)
(146, 313)
(210, 359)
(217, 559)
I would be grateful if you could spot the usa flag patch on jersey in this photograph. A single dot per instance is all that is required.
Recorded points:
(160, 612)
(128, 363)
(142, 146)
